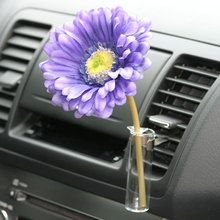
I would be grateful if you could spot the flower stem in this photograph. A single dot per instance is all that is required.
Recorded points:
(138, 148)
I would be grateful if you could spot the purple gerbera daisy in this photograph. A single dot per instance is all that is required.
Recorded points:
(95, 60)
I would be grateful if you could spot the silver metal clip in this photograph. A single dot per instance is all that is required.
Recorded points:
(164, 121)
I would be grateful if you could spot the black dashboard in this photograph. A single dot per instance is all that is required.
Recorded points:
(47, 172)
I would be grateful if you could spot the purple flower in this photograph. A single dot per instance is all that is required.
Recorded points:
(95, 60)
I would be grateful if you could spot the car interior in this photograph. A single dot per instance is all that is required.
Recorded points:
(56, 167)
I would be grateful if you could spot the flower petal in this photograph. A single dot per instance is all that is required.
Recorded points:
(143, 47)
(106, 113)
(63, 82)
(110, 85)
(121, 40)
(113, 75)
(102, 92)
(77, 114)
(136, 76)
(135, 59)
(58, 99)
(126, 72)
(85, 107)
(73, 104)
(88, 95)
(77, 91)
(100, 103)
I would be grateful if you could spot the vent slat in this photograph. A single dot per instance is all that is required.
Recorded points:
(160, 165)
(188, 83)
(24, 42)
(5, 101)
(8, 92)
(164, 151)
(3, 116)
(180, 95)
(182, 126)
(198, 71)
(31, 31)
(176, 140)
(173, 108)
(18, 53)
(13, 65)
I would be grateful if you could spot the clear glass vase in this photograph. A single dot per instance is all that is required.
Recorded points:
(139, 172)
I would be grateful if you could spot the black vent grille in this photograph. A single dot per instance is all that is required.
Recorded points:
(178, 97)
(48, 130)
(18, 51)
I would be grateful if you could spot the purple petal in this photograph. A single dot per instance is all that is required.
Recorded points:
(61, 54)
(58, 99)
(135, 59)
(88, 94)
(121, 40)
(74, 103)
(110, 85)
(132, 28)
(50, 66)
(136, 76)
(102, 92)
(48, 83)
(50, 76)
(129, 40)
(143, 47)
(64, 82)
(103, 26)
(113, 75)
(134, 45)
(66, 90)
(69, 26)
(100, 103)
(125, 54)
(96, 26)
(120, 101)
(146, 63)
(111, 100)
(106, 113)
(51, 89)
(119, 92)
(85, 107)
(68, 44)
(86, 32)
(127, 72)
(49, 48)
(66, 106)
(130, 88)
(77, 114)
(77, 91)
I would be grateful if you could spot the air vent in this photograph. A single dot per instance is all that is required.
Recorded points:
(175, 103)
(19, 49)
(96, 144)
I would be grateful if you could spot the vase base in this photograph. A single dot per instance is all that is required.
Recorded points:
(136, 210)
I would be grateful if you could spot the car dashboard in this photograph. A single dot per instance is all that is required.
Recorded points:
(48, 172)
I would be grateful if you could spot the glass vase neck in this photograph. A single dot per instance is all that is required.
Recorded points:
(142, 131)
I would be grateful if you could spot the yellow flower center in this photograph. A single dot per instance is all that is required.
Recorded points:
(101, 61)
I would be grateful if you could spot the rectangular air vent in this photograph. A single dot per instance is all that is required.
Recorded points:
(175, 103)
(18, 51)
(77, 138)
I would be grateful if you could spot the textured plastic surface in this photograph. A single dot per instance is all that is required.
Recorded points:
(195, 183)
(65, 197)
